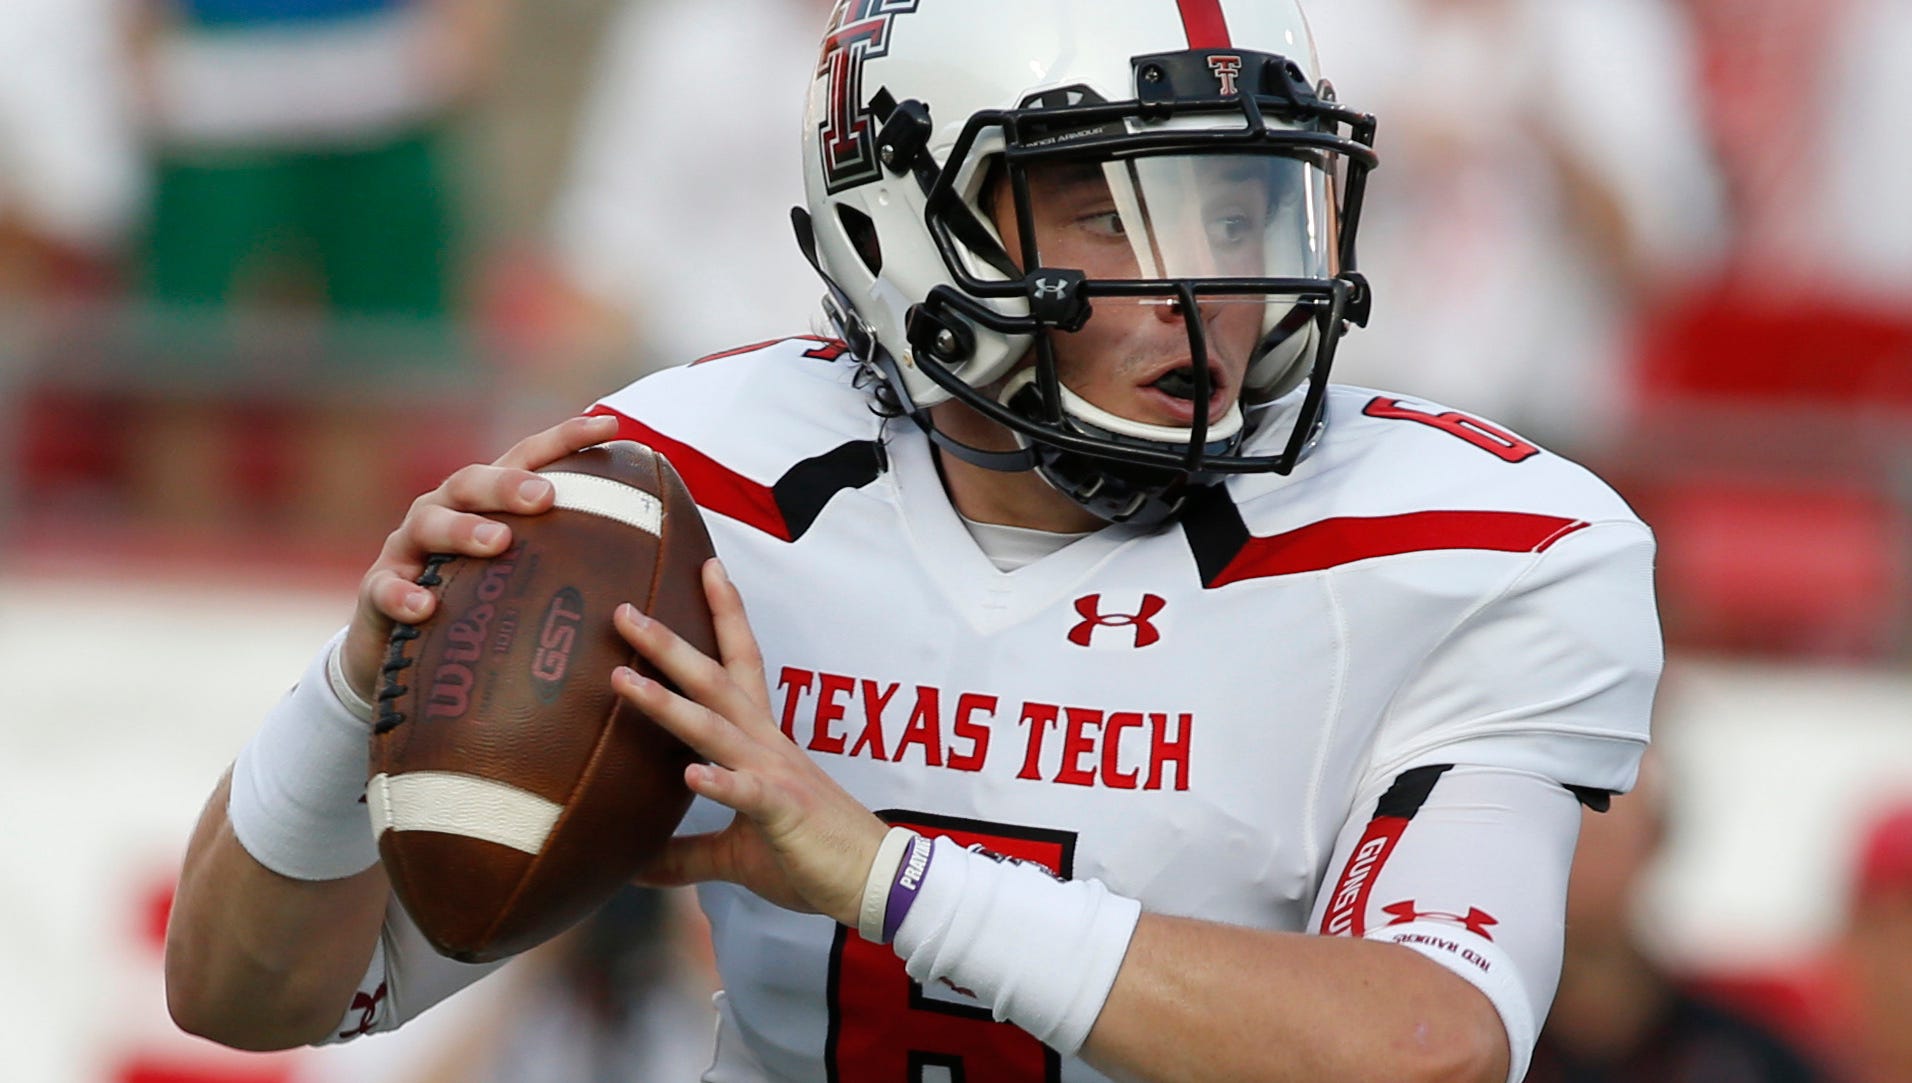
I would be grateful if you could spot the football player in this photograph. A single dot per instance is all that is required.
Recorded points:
(1116, 698)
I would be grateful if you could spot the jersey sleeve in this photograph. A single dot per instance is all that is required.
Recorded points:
(406, 976)
(1553, 674)
(1467, 866)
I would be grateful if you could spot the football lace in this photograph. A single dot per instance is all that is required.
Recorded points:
(396, 660)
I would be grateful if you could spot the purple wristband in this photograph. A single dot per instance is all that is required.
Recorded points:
(907, 885)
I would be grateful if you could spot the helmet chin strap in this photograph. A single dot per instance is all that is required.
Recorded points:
(1004, 462)
(1111, 491)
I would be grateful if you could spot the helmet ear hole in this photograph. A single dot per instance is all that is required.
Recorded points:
(862, 233)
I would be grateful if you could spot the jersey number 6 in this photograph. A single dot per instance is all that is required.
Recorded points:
(885, 1028)
(1489, 438)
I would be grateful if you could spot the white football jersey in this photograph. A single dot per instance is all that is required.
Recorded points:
(1252, 716)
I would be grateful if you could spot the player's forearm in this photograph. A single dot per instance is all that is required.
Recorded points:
(1201, 1001)
(257, 960)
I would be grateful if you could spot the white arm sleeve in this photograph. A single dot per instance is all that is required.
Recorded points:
(406, 977)
(1460, 843)
(1468, 866)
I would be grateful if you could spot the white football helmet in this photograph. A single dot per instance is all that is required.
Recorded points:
(1223, 172)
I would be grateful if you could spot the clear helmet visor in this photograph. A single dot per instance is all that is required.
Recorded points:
(1199, 217)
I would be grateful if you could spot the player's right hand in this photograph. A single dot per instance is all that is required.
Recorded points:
(453, 519)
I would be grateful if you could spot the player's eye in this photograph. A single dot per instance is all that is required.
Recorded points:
(1106, 225)
(1230, 230)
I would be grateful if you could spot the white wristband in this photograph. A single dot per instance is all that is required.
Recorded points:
(298, 787)
(1041, 952)
(876, 889)
(360, 707)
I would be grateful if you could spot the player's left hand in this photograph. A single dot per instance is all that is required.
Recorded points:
(799, 839)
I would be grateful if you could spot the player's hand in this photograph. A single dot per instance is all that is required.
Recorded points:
(799, 839)
(452, 519)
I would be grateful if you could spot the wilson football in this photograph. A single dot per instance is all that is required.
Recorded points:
(512, 791)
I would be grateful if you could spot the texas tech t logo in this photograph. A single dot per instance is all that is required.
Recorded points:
(1227, 69)
(860, 29)
(1140, 624)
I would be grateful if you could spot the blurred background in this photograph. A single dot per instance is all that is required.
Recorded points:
(269, 268)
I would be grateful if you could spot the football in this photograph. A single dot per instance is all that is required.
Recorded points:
(511, 790)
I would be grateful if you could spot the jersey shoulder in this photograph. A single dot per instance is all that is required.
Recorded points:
(1507, 590)
(764, 434)
(753, 406)
(1383, 454)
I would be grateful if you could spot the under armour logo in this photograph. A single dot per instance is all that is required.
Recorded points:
(1475, 920)
(1051, 289)
(1090, 606)
(1226, 69)
(367, 1007)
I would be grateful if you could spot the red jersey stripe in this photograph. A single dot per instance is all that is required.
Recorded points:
(1206, 27)
(713, 485)
(827, 349)
(1334, 542)
(752, 348)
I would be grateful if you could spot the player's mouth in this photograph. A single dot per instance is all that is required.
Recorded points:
(1174, 392)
